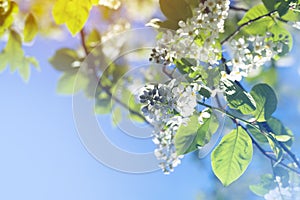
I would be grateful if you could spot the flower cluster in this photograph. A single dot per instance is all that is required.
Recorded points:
(167, 106)
(251, 53)
(197, 37)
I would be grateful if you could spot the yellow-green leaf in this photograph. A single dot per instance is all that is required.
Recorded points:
(14, 56)
(73, 13)
(72, 82)
(14, 52)
(232, 156)
(30, 28)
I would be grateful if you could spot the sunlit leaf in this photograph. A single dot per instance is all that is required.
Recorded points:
(266, 184)
(188, 138)
(72, 13)
(31, 28)
(232, 156)
(14, 57)
(240, 99)
(65, 60)
(259, 26)
(266, 101)
(93, 38)
(71, 82)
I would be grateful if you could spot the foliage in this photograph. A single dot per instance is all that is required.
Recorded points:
(180, 110)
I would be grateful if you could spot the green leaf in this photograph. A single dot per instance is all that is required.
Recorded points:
(93, 38)
(257, 134)
(240, 99)
(189, 137)
(72, 13)
(184, 65)
(276, 148)
(232, 156)
(284, 7)
(253, 13)
(259, 26)
(266, 101)
(65, 60)
(175, 10)
(204, 92)
(270, 4)
(280, 130)
(31, 28)
(266, 184)
(71, 82)
(214, 77)
(206, 130)
(281, 34)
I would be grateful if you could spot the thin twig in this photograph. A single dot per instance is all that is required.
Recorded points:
(105, 89)
(292, 155)
(238, 8)
(267, 155)
(246, 24)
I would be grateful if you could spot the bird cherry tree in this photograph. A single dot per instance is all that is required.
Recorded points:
(206, 48)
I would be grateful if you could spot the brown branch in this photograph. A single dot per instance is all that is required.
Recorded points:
(238, 8)
(246, 24)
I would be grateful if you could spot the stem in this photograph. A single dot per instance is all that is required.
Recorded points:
(292, 155)
(224, 112)
(267, 155)
(246, 24)
(238, 8)
(106, 89)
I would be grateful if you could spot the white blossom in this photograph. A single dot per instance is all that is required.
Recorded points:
(207, 22)
(251, 53)
(167, 106)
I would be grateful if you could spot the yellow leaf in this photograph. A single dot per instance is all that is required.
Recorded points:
(73, 13)
(95, 2)
(31, 28)
(6, 17)
(14, 57)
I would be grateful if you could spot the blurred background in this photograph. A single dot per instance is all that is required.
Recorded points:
(42, 156)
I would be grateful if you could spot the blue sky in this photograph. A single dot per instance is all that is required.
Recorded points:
(42, 156)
